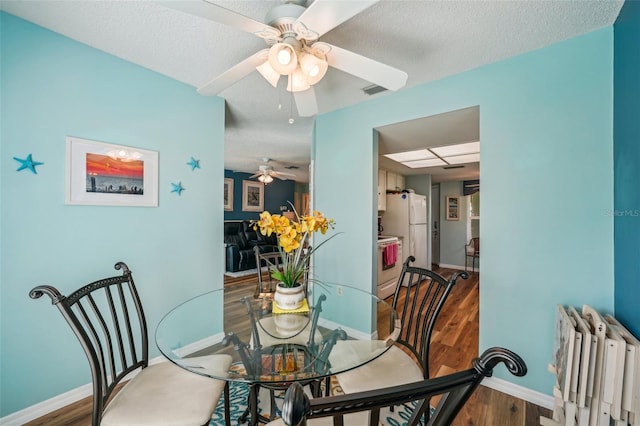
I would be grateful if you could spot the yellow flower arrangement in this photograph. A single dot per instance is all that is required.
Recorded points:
(293, 238)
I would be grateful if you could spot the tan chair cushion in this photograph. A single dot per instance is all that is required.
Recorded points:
(392, 368)
(164, 395)
(347, 353)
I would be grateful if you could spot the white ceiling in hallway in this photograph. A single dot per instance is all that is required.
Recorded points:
(449, 128)
(427, 39)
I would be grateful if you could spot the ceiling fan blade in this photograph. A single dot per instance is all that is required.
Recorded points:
(373, 71)
(324, 15)
(256, 175)
(225, 16)
(283, 174)
(233, 74)
(306, 102)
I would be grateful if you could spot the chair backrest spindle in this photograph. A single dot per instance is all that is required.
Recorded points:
(111, 328)
(419, 297)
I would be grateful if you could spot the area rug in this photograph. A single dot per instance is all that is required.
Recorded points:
(241, 273)
(239, 392)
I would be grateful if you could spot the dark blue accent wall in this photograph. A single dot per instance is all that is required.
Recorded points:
(277, 193)
(626, 157)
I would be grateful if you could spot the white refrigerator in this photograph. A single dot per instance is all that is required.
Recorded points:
(406, 217)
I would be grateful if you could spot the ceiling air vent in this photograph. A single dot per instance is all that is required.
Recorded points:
(373, 89)
(292, 167)
(458, 166)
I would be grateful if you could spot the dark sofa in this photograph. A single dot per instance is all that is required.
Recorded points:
(239, 241)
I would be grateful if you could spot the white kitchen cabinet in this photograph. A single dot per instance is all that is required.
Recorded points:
(395, 181)
(382, 190)
(391, 181)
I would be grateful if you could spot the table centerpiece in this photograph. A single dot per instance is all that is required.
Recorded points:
(293, 244)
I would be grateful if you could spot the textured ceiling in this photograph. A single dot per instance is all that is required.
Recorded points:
(427, 39)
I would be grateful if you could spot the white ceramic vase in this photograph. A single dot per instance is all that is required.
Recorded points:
(288, 325)
(289, 298)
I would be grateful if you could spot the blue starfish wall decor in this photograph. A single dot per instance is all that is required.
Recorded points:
(195, 164)
(27, 163)
(177, 188)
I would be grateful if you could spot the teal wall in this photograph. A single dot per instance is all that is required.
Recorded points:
(453, 233)
(546, 118)
(277, 193)
(627, 160)
(53, 87)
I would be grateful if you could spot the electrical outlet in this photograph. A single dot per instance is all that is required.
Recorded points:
(339, 291)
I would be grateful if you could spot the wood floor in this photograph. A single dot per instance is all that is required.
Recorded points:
(454, 345)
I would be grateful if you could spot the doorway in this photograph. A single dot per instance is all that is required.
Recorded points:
(449, 145)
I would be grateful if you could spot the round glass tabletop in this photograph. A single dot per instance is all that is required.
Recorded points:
(230, 335)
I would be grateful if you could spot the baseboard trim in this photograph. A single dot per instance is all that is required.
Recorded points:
(534, 397)
(351, 332)
(62, 400)
(45, 407)
(187, 350)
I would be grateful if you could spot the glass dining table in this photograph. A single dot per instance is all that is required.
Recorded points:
(229, 334)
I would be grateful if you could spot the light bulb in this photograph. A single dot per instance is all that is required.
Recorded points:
(284, 56)
(313, 68)
(265, 179)
(297, 81)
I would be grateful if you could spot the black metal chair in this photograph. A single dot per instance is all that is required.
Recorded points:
(425, 292)
(472, 250)
(108, 320)
(264, 263)
(363, 408)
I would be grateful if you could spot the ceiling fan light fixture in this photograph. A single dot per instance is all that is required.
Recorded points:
(265, 179)
(313, 67)
(269, 74)
(297, 81)
(283, 58)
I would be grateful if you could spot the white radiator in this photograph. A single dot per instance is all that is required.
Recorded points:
(597, 367)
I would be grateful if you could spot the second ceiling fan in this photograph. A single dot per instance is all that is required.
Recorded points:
(266, 173)
(291, 30)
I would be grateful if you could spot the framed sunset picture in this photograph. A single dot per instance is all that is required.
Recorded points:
(110, 175)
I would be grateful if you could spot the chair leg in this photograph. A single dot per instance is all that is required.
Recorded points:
(274, 408)
(227, 405)
(251, 412)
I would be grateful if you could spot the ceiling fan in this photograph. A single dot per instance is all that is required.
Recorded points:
(291, 32)
(265, 173)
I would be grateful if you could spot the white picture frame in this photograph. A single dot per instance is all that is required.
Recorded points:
(453, 208)
(228, 194)
(252, 196)
(104, 174)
